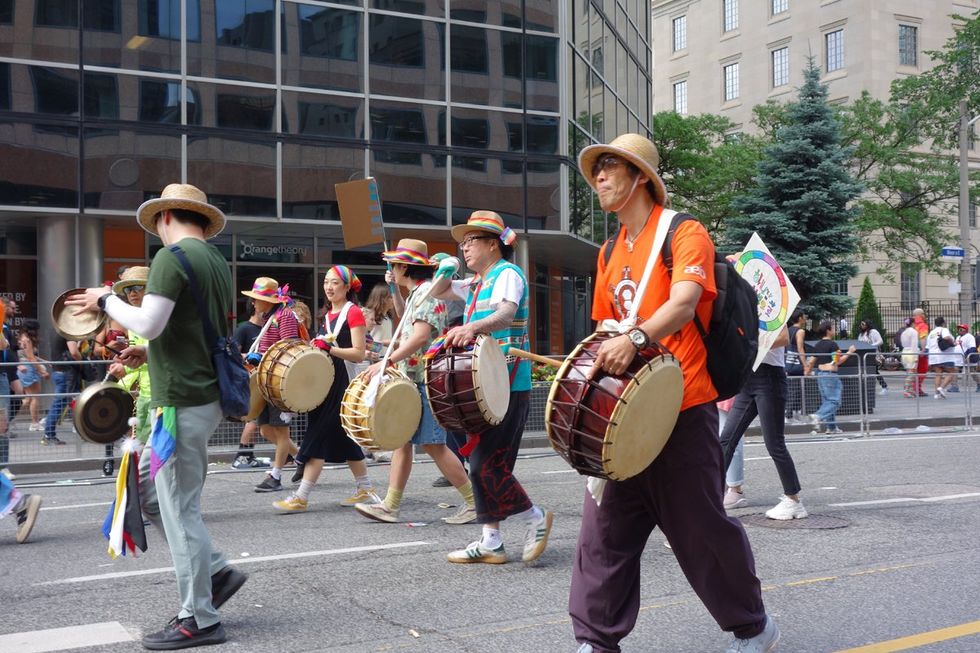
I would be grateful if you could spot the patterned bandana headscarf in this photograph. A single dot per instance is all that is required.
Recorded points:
(348, 277)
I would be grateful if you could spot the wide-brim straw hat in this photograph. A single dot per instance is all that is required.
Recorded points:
(636, 149)
(136, 275)
(181, 196)
(266, 289)
(410, 252)
(487, 222)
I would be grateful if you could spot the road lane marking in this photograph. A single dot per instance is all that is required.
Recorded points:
(77, 505)
(922, 639)
(237, 561)
(560, 471)
(945, 497)
(60, 639)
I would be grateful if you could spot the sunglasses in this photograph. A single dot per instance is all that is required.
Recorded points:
(472, 239)
(135, 289)
(609, 163)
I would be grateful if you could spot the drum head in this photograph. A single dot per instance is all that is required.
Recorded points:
(643, 419)
(307, 380)
(102, 413)
(396, 414)
(75, 327)
(491, 380)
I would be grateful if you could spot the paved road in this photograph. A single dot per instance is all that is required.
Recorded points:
(907, 564)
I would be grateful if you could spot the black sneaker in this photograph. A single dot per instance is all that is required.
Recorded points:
(298, 474)
(224, 584)
(52, 440)
(26, 510)
(242, 462)
(442, 481)
(184, 633)
(270, 484)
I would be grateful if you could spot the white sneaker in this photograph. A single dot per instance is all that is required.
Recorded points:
(536, 536)
(733, 498)
(764, 642)
(942, 391)
(785, 510)
(883, 392)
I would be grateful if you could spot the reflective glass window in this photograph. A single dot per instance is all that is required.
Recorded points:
(542, 73)
(484, 182)
(405, 57)
(506, 12)
(55, 91)
(161, 19)
(468, 50)
(218, 165)
(414, 193)
(396, 41)
(543, 195)
(421, 7)
(541, 15)
(97, 15)
(309, 173)
(123, 168)
(5, 97)
(245, 23)
(542, 134)
(329, 54)
(244, 108)
(26, 148)
(6, 12)
(160, 102)
(470, 132)
(402, 123)
(318, 115)
(101, 96)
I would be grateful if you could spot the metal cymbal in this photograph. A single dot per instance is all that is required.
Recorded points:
(75, 327)
(102, 413)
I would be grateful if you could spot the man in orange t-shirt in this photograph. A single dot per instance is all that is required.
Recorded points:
(681, 491)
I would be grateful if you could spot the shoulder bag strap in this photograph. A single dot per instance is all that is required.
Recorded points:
(209, 331)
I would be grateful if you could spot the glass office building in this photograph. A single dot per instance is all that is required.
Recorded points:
(453, 105)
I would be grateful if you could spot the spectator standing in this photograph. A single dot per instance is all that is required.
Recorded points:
(942, 358)
(967, 344)
(908, 341)
(796, 365)
(869, 334)
(66, 382)
(30, 372)
(826, 358)
(921, 326)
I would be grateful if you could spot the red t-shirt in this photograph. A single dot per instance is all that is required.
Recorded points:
(355, 317)
(616, 283)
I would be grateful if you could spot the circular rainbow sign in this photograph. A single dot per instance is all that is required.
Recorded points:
(766, 276)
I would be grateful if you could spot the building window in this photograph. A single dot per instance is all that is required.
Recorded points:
(680, 33)
(680, 97)
(779, 6)
(908, 45)
(911, 290)
(730, 10)
(731, 82)
(161, 18)
(245, 24)
(834, 45)
(780, 67)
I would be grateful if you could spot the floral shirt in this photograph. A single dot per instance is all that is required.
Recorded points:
(431, 311)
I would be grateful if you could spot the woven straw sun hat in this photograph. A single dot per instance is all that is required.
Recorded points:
(181, 196)
(487, 222)
(266, 289)
(636, 149)
(136, 275)
(410, 252)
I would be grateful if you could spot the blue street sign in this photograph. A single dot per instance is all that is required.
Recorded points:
(952, 252)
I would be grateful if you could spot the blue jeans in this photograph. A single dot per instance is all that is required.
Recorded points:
(64, 384)
(830, 386)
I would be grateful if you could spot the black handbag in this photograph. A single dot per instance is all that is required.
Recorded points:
(226, 357)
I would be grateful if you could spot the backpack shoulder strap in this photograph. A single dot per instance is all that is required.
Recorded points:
(667, 253)
(608, 245)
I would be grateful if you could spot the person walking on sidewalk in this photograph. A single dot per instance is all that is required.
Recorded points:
(826, 359)
(869, 334)
(942, 357)
(681, 491)
(184, 399)
(796, 365)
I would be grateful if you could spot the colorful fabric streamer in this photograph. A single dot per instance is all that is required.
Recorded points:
(434, 348)
(123, 526)
(163, 439)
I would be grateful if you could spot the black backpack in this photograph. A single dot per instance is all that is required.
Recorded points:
(732, 339)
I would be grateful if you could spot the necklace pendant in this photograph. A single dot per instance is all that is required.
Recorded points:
(629, 247)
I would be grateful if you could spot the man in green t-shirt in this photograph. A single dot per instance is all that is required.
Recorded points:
(184, 398)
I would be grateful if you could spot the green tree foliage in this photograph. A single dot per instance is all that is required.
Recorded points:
(802, 204)
(704, 165)
(867, 308)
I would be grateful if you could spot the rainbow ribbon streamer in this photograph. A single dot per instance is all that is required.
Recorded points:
(434, 348)
(163, 440)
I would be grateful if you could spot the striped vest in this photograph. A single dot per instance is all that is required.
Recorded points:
(513, 336)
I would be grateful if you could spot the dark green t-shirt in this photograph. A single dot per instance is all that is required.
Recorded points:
(181, 372)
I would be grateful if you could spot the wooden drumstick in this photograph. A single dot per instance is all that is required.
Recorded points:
(537, 358)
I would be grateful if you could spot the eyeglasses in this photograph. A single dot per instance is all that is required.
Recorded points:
(609, 163)
(135, 289)
(463, 244)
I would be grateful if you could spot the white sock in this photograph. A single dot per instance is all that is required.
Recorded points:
(531, 514)
(276, 473)
(491, 538)
(363, 482)
(304, 489)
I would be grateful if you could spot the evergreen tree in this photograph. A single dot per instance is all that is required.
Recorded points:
(801, 205)
(867, 309)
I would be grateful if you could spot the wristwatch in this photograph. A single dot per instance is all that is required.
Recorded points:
(639, 338)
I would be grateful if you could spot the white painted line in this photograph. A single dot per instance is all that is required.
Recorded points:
(759, 458)
(60, 639)
(561, 471)
(77, 505)
(946, 497)
(237, 561)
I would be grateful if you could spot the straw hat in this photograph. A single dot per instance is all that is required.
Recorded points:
(637, 150)
(410, 252)
(181, 196)
(136, 275)
(266, 289)
(488, 222)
